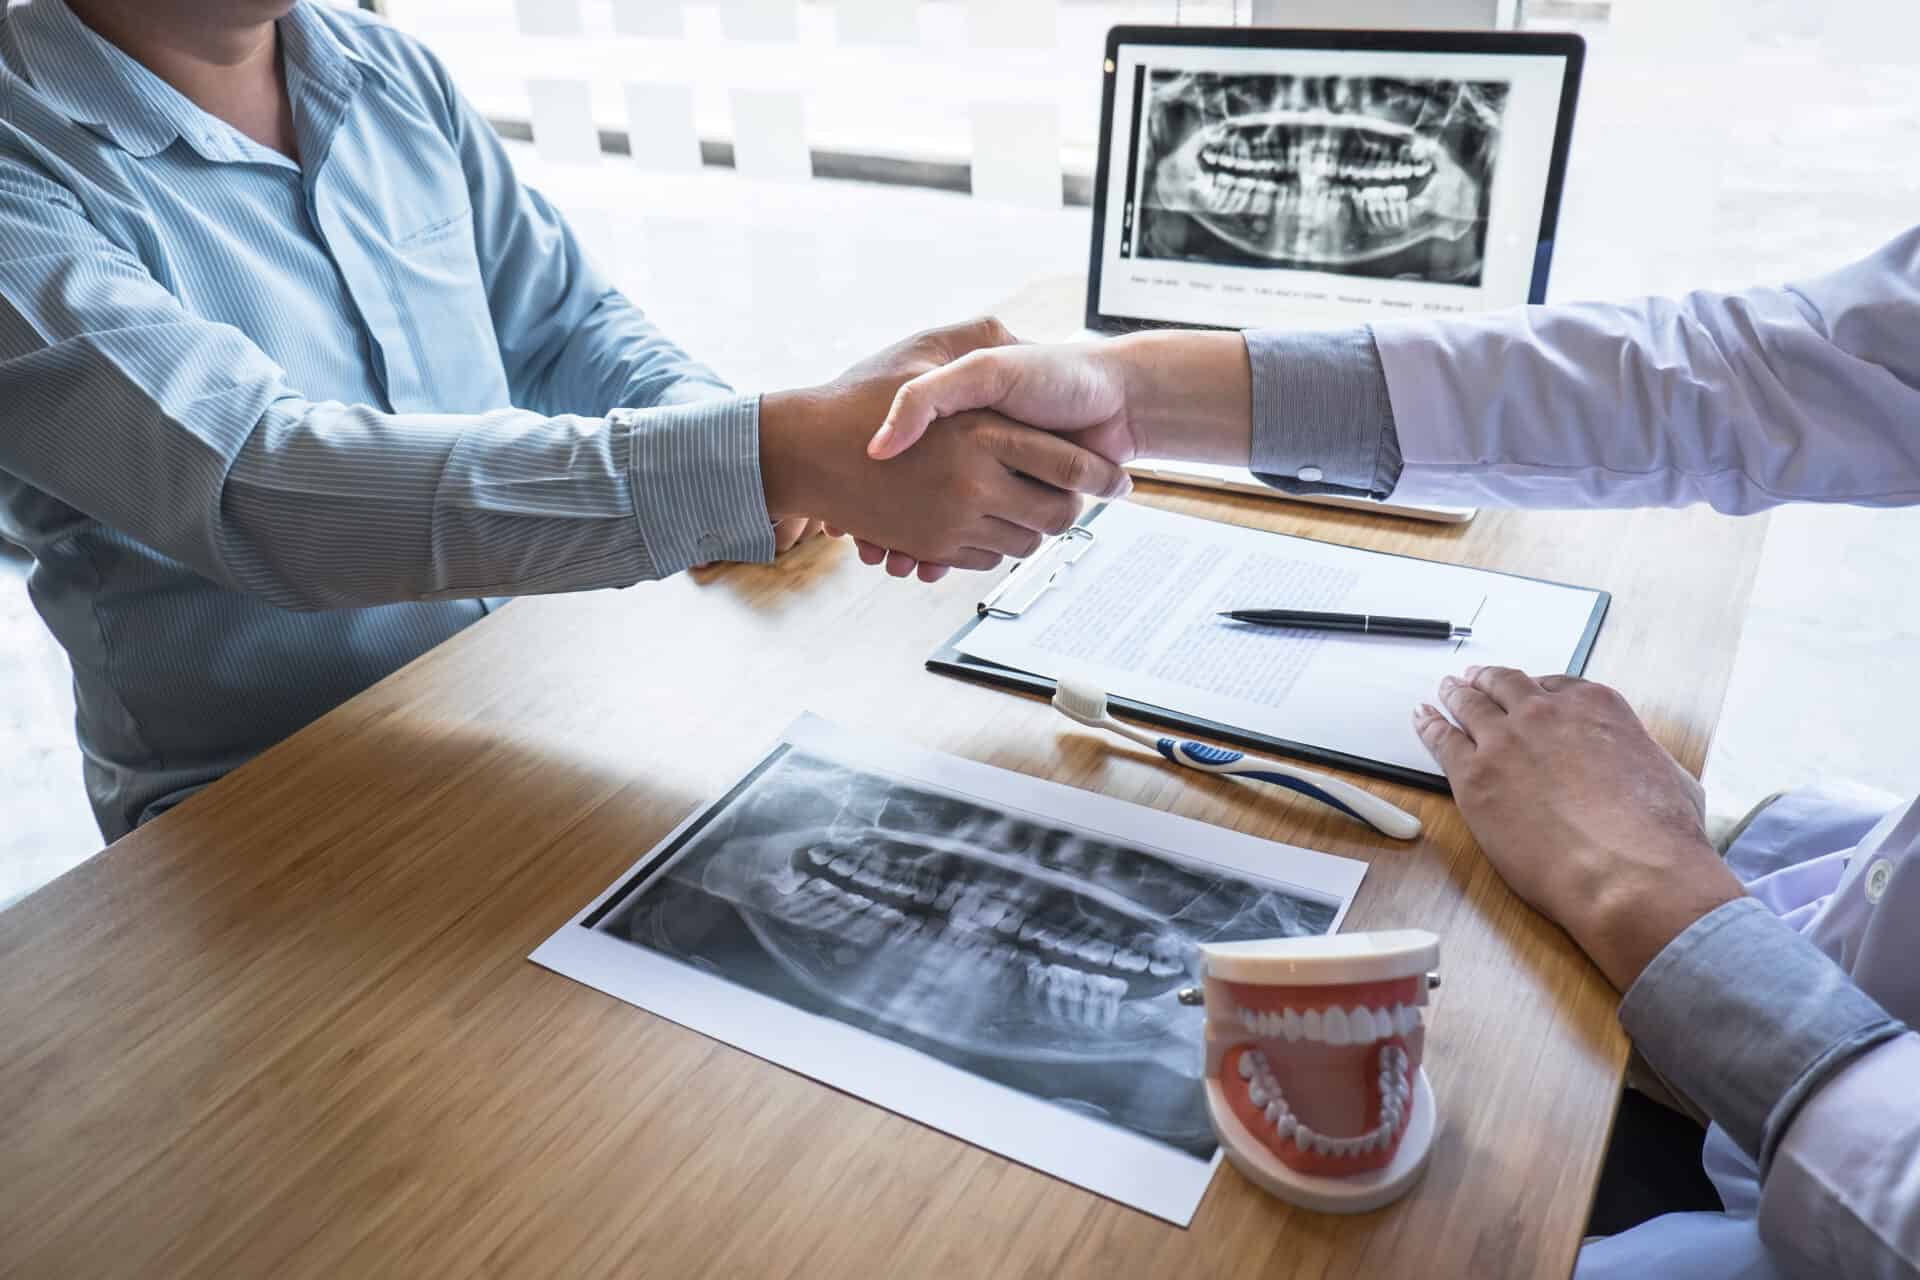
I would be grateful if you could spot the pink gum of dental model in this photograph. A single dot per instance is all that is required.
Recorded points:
(1313, 1069)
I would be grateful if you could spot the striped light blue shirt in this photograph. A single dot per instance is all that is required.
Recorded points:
(271, 430)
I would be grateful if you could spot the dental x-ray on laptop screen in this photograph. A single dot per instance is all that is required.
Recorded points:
(1324, 179)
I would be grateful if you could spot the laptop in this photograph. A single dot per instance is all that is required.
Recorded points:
(1324, 179)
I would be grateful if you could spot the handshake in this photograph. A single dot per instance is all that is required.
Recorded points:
(962, 445)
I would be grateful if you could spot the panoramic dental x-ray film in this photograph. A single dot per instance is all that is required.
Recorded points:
(1035, 957)
(1374, 176)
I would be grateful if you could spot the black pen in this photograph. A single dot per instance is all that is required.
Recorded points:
(1373, 624)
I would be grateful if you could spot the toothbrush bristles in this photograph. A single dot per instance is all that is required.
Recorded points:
(1080, 699)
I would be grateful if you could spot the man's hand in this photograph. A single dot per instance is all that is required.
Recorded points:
(1060, 388)
(928, 350)
(1077, 387)
(1149, 395)
(984, 489)
(1580, 810)
(1158, 395)
(791, 532)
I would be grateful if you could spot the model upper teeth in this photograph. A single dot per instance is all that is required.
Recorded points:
(1395, 1088)
(1356, 1025)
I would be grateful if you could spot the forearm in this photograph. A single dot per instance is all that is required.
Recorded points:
(1746, 400)
(1322, 420)
(1842, 1197)
(1188, 394)
(1739, 400)
(1749, 1020)
(1649, 889)
(329, 505)
(322, 505)
(1308, 412)
(1805, 1072)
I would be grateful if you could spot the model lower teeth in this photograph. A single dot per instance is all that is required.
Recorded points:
(1395, 1086)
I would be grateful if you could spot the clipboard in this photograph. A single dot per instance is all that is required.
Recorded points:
(1033, 577)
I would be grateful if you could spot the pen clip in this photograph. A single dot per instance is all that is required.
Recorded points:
(1031, 578)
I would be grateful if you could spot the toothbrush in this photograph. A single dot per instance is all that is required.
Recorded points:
(1087, 705)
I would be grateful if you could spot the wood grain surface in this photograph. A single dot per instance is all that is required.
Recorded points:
(290, 1028)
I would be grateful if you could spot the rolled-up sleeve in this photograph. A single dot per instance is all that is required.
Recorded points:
(1322, 420)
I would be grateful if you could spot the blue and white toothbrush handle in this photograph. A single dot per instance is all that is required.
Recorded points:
(1387, 819)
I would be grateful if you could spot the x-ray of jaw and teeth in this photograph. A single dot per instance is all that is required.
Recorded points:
(1041, 957)
(1354, 175)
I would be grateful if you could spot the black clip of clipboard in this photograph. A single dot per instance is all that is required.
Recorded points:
(1021, 589)
(951, 659)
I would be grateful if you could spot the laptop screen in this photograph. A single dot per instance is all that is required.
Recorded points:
(1315, 178)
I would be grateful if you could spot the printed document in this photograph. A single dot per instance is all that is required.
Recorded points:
(1136, 616)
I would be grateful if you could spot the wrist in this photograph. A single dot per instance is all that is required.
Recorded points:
(1630, 919)
(791, 475)
(1128, 362)
(1189, 395)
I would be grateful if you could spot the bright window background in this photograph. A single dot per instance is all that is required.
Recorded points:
(906, 100)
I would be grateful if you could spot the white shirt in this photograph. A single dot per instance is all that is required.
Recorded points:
(1810, 987)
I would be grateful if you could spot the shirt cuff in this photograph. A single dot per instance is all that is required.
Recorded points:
(695, 472)
(1749, 1019)
(1322, 422)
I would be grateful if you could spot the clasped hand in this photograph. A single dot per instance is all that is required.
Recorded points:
(982, 488)
(977, 380)
(1148, 395)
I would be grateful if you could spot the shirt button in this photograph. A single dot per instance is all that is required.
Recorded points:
(1311, 475)
(1879, 875)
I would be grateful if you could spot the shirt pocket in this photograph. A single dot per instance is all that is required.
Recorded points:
(441, 298)
(436, 230)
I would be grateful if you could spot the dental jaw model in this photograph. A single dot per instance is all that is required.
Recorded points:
(1313, 1064)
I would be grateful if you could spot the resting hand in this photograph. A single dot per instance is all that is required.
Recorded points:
(1580, 810)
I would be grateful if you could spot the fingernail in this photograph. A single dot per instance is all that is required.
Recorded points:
(1447, 683)
(879, 441)
(1472, 673)
(1126, 485)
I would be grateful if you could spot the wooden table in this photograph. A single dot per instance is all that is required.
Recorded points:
(290, 1028)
